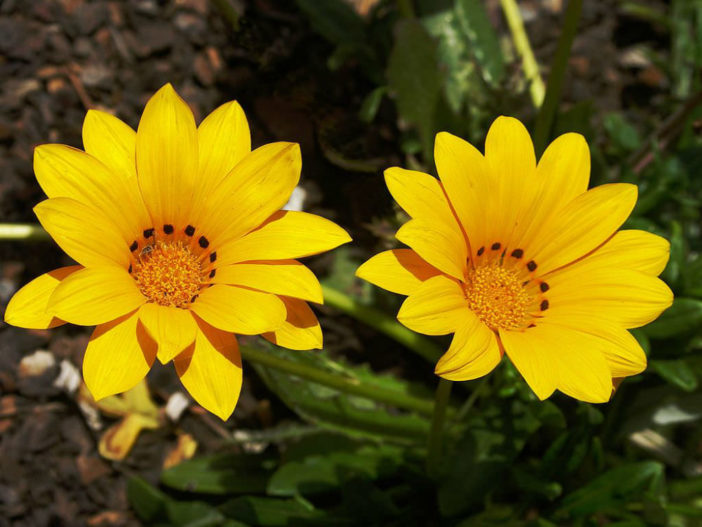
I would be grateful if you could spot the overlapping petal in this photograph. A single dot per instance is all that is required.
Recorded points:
(210, 370)
(112, 142)
(119, 355)
(28, 307)
(172, 328)
(437, 307)
(399, 270)
(301, 329)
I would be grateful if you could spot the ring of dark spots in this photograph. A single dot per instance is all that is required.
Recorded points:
(134, 246)
(203, 242)
(481, 251)
(193, 298)
(544, 287)
(213, 256)
(531, 265)
(148, 233)
(525, 282)
(496, 246)
(168, 228)
(130, 269)
(213, 272)
(532, 325)
(517, 253)
(544, 305)
(190, 230)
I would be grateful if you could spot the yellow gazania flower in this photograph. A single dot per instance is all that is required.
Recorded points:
(180, 243)
(518, 257)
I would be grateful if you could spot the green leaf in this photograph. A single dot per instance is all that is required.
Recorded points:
(676, 372)
(273, 512)
(622, 134)
(148, 502)
(484, 43)
(684, 316)
(614, 489)
(692, 278)
(323, 463)
(676, 262)
(414, 77)
(193, 514)
(219, 474)
(369, 108)
(340, 411)
(335, 20)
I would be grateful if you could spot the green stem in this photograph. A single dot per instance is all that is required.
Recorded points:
(468, 405)
(382, 322)
(436, 434)
(342, 384)
(22, 231)
(521, 43)
(544, 121)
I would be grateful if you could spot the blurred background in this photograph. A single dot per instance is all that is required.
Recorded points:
(362, 85)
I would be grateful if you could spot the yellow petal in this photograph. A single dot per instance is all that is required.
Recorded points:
(285, 235)
(582, 225)
(167, 157)
(437, 307)
(473, 352)
(509, 155)
(467, 180)
(259, 185)
(629, 249)
(28, 306)
(628, 298)
(223, 139)
(211, 370)
(95, 295)
(550, 356)
(435, 245)
(621, 350)
(282, 277)
(423, 198)
(119, 355)
(300, 331)
(239, 310)
(111, 141)
(400, 271)
(85, 235)
(65, 172)
(562, 174)
(172, 328)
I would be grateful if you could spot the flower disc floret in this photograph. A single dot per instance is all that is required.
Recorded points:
(168, 274)
(497, 297)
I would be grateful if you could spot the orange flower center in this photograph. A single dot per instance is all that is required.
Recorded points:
(169, 274)
(497, 296)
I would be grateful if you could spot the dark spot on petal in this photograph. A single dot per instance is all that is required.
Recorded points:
(130, 269)
(203, 242)
(517, 253)
(213, 256)
(532, 325)
(134, 246)
(148, 233)
(496, 246)
(481, 251)
(213, 272)
(190, 230)
(544, 287)
(531, 265)
(544, 305)
(193, 298)
(525, 282)
(168, 228)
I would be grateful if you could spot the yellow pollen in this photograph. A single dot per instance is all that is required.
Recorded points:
(497, 297)
(168, 274)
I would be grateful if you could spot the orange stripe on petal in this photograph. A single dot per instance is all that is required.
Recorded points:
(399, 270)
(172, 328)
(301, 329)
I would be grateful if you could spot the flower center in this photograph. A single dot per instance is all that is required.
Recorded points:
(168, 274)
(497, 296)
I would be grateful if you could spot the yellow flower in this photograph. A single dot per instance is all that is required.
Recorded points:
(180, 243)
(518, 257)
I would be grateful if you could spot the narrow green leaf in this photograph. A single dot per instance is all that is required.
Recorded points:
(484, 43)
(676, 372)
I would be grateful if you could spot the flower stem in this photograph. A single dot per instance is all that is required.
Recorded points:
(22, 231)
(521, 43)
(342, 384)
(436, 434)
(382, 322)
(554, 85)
